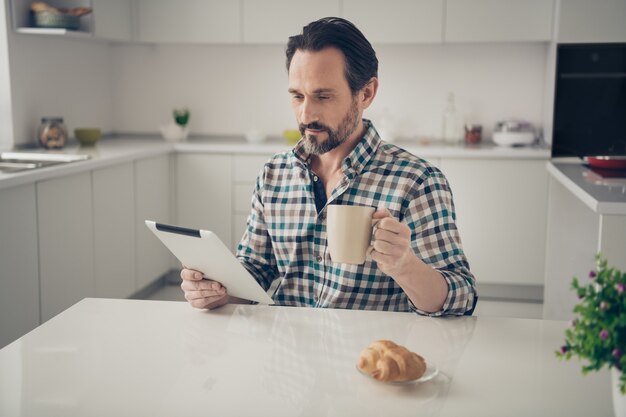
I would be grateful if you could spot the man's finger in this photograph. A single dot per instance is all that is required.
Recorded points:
(190, 275)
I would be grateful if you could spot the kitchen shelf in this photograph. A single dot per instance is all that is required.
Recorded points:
(54, 31)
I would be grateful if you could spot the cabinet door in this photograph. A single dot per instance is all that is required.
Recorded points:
(152, 197)
(501, 210)
(188, 21)
(19, 275)
(583, 21)
(112, 19)
(204, 193)
(273, 21)
(499, 20)
(114, 231)
(246, 168)
(399, 21)
(66, 256)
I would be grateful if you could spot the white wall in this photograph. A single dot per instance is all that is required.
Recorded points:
(54, 76)
(231, 89)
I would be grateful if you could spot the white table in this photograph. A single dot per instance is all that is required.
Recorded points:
(156, 358)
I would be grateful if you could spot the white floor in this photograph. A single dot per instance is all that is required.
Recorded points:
(489, 308)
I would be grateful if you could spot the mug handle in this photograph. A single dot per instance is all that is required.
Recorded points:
(370, 248)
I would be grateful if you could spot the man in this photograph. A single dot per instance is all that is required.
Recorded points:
(417, 263)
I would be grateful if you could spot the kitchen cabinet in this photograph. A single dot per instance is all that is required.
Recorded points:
(399, 21)
(188, 21)
(584, 21)
(273, 21)
(204, 193)
(499, 20)
(112, 19)
(152, 202)
(19, 275)
(66, 242)
(246, 168)
(114, 231)
(501, 208)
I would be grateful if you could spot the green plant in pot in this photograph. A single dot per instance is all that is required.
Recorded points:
(598, 333)
(181, 117)
(177, 129)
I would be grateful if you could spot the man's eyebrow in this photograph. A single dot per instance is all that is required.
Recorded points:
(318, 91)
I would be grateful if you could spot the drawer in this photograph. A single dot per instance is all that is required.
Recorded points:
(247, 167)
(242, 196)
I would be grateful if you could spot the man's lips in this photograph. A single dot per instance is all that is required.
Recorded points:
(313, 131)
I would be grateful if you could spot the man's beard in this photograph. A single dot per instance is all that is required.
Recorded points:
(335, 137)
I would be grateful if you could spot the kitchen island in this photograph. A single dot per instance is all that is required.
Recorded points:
(586, 215)
(105, 357)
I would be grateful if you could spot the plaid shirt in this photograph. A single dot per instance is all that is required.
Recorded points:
(286, 235)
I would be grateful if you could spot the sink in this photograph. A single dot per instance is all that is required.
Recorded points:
(23, 161)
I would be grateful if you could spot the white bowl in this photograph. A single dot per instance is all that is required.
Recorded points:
(255, 136)
(513, 138)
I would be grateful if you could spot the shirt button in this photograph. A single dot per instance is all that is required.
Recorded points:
(319, 259)
(315, 178)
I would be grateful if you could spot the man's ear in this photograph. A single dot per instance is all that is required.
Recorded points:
(368, 93)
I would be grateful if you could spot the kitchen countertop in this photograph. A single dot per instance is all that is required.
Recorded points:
(162, 358)
(124, 148)
(602, 195)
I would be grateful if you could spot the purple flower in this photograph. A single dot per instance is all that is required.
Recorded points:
(603, 305)
(592, 274)
(620, 288)
(604, 334)
(564, 349)
(616, 353)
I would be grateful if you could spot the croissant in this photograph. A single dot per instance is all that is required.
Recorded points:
(386, 361)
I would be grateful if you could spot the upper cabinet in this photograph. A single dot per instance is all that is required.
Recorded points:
(112, 19)
(592, 21)
(399, 21)
(273, 21)
(388, 22)
(188, 21)
(499, 20)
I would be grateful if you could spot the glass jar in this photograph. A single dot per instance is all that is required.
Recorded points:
(473, 134)
(52, 133)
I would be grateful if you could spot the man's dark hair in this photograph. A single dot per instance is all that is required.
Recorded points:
(360, 58)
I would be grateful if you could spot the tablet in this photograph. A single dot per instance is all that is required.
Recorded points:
(203, 251)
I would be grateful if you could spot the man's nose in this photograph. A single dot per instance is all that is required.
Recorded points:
(308, 112)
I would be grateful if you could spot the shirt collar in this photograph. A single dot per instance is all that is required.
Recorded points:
(358, 158)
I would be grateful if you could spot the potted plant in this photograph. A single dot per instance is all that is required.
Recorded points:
(598, 333)
(177, 129)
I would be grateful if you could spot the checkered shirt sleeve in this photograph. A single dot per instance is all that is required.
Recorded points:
(286, 240)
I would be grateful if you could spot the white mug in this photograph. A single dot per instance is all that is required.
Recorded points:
(349, 233)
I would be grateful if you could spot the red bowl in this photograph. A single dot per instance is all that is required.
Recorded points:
(607, 162)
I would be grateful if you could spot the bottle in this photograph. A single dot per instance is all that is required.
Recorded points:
(452, 131)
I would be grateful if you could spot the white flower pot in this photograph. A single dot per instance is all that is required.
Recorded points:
(174, 132)
(619, 400)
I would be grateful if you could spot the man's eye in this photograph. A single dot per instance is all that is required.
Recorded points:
(323, 97)
(296, 97)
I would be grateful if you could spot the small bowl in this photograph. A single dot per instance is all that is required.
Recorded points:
(292, 136)
(88, 136)
(255, 136)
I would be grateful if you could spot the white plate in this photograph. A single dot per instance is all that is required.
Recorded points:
(430, 373)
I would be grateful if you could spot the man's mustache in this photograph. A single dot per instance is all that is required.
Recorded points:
(313, 126)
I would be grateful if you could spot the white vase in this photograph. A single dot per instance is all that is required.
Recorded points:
(619, 400)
